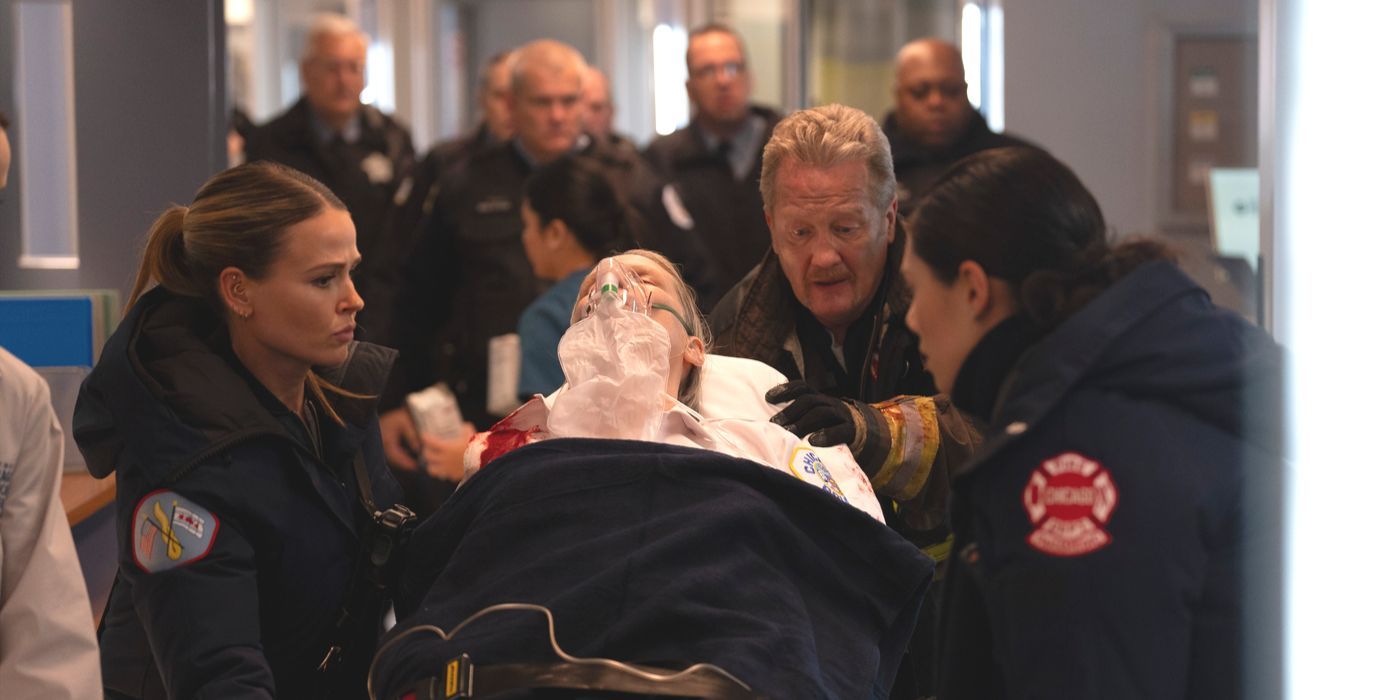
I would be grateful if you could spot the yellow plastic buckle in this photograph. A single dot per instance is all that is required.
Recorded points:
(457, 678)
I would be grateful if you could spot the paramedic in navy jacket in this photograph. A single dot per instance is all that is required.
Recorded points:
(238, 506)
(1099, 535)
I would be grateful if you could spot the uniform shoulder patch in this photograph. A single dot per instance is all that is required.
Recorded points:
(170, 531)
(807, 466)
(1069, 499)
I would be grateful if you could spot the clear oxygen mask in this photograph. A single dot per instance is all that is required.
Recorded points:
(616, 362)
(615, 288)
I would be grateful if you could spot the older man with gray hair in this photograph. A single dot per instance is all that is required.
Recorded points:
(826, 306)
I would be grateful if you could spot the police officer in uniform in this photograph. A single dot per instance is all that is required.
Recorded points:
(407, 219)
(711, 167)
(247, 484)
(363, 155)
(1099, 533)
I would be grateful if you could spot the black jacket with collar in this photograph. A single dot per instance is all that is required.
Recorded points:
(168, 407)
(917, 166)
(409, 215)
(727, 234)
(1102, 544)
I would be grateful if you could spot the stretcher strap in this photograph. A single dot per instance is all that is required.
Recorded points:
(469, 678)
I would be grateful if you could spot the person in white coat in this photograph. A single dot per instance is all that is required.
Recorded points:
(48, 645)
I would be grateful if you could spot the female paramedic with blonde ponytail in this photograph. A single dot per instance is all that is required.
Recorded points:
(1101, 546)
(237, 411)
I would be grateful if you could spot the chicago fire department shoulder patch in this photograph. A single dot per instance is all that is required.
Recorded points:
(1069, 500)
(807, 466)
(169, 530)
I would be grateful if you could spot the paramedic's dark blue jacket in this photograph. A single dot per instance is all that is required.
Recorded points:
(1100, 537)
(665, 556)
(246, 609)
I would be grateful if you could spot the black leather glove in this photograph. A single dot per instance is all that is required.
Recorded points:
(824, 420)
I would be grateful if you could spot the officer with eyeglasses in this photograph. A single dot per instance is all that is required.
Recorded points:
(933, 123)
(712, 167)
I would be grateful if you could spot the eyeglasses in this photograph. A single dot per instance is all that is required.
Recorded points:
(728, 69)
(330, 65)
(658, 306)
(949, 90)
(651, 306)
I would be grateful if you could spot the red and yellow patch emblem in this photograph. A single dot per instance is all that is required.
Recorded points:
(1069, 499)
(169, 530)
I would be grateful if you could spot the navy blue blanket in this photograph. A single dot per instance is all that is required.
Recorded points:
(665, 556)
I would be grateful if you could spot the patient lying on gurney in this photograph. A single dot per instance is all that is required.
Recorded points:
(636, 344)
(646, 549)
